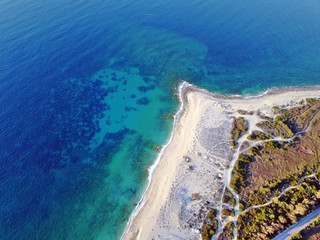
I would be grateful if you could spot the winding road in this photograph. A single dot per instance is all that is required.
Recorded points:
(228, 175)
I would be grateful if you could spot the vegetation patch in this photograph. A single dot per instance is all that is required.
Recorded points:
(312, 231)
(210, 225)
(227, 232)
(228, 198)
(277, 128)
(268, 221)
(280, 168)
(227, 212)
(258, 136)
(264, 170)
(238, 129)
(239, 173)
(244, 112)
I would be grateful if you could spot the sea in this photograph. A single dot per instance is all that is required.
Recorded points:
(88, 91)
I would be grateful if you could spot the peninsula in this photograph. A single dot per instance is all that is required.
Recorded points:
(235, 167)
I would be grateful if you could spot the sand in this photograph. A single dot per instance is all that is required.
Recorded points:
(195, 166)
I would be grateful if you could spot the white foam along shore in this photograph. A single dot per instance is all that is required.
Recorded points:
(177, 189)
(151, 169)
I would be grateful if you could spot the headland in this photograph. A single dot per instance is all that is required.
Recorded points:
(199, 182)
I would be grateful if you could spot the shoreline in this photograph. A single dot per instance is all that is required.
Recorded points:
(184, 90)
(153, 167)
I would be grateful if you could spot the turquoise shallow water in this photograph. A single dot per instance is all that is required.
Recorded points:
(88, 90)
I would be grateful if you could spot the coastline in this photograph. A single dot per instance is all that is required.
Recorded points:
(226, 106)
(153, 167)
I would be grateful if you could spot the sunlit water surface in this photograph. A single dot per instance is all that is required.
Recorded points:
(87, 90)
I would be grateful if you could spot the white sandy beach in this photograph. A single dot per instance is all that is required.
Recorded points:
(193, 169)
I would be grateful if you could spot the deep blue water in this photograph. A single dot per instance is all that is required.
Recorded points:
(87, 88)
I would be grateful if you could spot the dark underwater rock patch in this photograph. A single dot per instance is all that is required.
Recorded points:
(143, 101)
(144, 89)
(129, 109)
